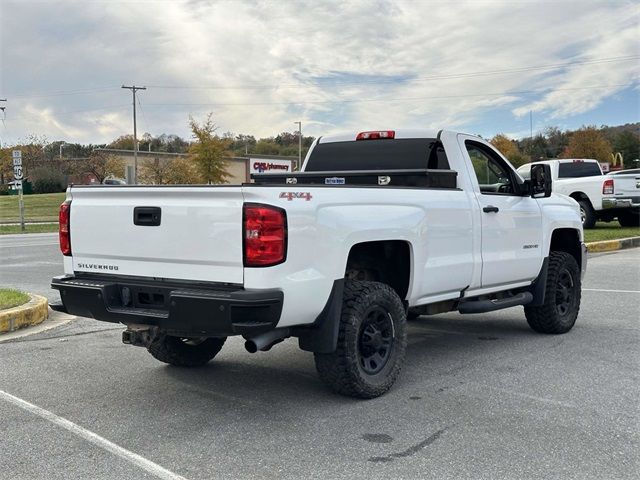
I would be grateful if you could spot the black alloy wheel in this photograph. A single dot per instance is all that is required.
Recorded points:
(565, 296)
(375, 341)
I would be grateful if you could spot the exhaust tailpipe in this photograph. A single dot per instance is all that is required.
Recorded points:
(266, 340)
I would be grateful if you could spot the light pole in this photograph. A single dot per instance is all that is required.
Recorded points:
(2, 109)
(61, 145)
(299, 144)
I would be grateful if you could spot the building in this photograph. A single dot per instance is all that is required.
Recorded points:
(240, 168)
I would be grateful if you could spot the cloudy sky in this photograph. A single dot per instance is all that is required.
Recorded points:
(259, 66)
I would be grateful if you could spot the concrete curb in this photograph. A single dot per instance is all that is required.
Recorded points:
(33, 312)
(611, 245)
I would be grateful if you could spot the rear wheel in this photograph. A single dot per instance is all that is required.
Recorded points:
(562, 297)
(629, 219)
(587, 214)
(185, 352)
(372, 339)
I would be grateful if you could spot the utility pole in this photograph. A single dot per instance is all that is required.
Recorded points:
(133, 89)
(299, 144)
(2, 108)
(531, 124)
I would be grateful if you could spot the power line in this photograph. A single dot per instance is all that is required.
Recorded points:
(59, 93)
(362, 100)
(336, 82)
(72, 112)
(395, 79)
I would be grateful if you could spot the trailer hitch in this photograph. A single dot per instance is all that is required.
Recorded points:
(138, 336)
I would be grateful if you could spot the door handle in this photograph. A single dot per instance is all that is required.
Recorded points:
(147, 216)
(490, 209)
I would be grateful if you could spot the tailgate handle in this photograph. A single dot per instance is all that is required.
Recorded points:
(147, 216)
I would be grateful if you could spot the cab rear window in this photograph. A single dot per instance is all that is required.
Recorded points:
(578, 169)
(393, 154)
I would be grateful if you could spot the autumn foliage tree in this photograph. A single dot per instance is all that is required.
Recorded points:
(208, 152)
(178, 171)
(588, 142)
(509, 149)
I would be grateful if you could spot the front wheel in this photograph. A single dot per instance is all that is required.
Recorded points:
(587, 214)
(185, 352)
(561, 305)
(372, 339)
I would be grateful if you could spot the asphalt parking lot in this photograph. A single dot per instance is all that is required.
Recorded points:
(480, 397)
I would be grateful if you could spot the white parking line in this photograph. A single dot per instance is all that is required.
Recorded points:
(91, 437)
(14, 245)
(609, 291)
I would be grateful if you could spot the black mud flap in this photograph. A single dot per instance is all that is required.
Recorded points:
(322, 335)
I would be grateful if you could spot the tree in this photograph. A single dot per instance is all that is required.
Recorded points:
(154, 172)
(178, 171)
(504, 144)
(509, 149)
(123, 142)
(183, 172)
(535, 148)
(557, 141)
(588, 142)
(209, 151)
(241, 144)
(6, 165)
(266, 146)
(101, 165)
(628, 144)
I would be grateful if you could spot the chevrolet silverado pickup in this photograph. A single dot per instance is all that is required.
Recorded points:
(377, 226)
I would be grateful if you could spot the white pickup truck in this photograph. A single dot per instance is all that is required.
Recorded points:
(582, 180)
(623, 196)
(376, 226)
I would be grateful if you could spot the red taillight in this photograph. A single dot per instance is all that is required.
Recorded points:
(264, 235)
(377, 135)
(607, 187)
(65, 228)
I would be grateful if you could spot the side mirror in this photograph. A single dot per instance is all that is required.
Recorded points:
(540, 180)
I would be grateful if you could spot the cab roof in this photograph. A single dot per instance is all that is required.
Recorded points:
(399, 134)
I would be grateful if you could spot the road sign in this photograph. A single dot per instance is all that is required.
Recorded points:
(17, 161)
(18, 184)
(17, 172)
(17, 154)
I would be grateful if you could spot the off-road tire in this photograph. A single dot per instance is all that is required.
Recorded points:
(587, 213)
(559, 312)
(343, 370)
(629, 219)
(184, 352)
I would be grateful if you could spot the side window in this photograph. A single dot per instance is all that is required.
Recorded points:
(438, 157)
(493, 175)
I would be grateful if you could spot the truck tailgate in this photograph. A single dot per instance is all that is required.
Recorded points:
(197, 235)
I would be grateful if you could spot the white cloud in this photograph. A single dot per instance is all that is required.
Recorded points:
(296, 47)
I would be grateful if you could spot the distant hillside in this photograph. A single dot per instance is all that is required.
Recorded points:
(627, 127)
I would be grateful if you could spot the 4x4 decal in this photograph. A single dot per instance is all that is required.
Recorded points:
(291, 195)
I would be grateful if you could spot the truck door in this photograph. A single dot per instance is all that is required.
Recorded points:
(511, 223)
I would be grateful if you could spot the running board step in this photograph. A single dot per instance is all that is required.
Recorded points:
(482, 306)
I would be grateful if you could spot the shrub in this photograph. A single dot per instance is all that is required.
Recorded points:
(47, 180)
